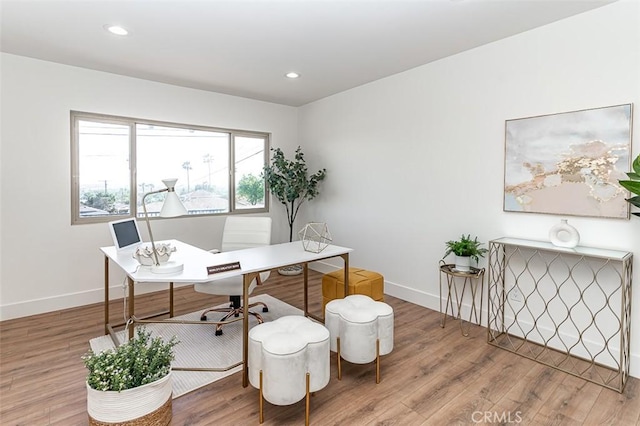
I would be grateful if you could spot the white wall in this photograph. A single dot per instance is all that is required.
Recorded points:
(413, 160)
(46, 263)
(417, 159)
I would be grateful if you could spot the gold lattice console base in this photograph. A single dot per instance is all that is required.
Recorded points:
(569, 309)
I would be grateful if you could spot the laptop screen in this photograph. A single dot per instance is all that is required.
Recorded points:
(125, 233)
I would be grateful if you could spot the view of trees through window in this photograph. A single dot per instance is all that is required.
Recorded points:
(118, 160)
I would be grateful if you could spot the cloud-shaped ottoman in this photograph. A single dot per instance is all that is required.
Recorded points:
(361, 330)
(288, 359)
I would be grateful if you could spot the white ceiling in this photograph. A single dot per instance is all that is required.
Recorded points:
(244, 47)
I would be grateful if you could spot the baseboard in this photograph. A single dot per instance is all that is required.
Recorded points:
(73, 300)
(66, 301)
(432, 301)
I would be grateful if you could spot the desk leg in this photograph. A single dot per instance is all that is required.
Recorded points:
(106, 295)
(345, 258)
(305, 271)
(132, 309)
(246, 282)
(171, 300)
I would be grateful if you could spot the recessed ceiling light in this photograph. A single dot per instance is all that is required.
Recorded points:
(292, 75)
(117, 30)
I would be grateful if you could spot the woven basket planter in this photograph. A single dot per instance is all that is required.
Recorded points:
(142, 406)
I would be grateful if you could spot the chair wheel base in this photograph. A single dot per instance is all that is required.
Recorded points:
(218, 332)
(265, 309)
(203, 318)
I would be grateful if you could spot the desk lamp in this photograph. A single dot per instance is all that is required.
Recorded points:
(172, 207)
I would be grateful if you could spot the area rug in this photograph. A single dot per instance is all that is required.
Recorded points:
(200, 347)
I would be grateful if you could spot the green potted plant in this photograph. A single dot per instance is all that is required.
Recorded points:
(633, 184)
(465, 249)
(290, 182)
(132, 382)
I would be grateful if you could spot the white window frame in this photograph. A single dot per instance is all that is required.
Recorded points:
(77, 116)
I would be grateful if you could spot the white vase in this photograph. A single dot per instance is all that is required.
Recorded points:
(463, 263)
(564, 235)
(130, 405)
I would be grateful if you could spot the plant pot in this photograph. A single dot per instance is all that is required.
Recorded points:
(463, 263)
(149, 404)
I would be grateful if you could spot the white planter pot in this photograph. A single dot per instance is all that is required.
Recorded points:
(463, 263)
(149, 404)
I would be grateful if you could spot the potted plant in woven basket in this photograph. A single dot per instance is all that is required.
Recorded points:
(131, 384)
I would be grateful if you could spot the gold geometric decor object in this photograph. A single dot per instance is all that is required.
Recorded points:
(315, 236)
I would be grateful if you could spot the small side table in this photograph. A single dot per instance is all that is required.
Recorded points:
(472, 279)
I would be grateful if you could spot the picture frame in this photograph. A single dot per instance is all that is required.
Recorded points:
(569, 163)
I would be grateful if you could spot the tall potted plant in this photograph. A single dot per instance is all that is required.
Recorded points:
(633, 184)
(289, 181)
(131, 384)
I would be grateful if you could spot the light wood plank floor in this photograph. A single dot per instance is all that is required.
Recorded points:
(434, 376)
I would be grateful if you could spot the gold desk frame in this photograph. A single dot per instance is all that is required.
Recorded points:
(247, 278)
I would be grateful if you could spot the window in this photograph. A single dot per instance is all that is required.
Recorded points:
(116, 160)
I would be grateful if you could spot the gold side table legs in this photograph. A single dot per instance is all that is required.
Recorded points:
(474, 279)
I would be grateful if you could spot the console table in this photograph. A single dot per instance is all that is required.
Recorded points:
(566, 308)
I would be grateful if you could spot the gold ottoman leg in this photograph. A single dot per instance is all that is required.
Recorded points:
(339, 364)
(377, 361)
(306, 416)
(260, 403)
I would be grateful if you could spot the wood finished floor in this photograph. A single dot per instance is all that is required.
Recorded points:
(434, 376)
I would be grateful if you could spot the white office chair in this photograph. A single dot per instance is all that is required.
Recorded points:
(240, 232)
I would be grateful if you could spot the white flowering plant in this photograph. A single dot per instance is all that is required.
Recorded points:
(135, 363)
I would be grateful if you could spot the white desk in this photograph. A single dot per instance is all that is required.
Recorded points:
(252, 262)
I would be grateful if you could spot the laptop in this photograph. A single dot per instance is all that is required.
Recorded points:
(125, 233)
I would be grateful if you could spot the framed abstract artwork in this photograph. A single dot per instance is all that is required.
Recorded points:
(569, 163)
